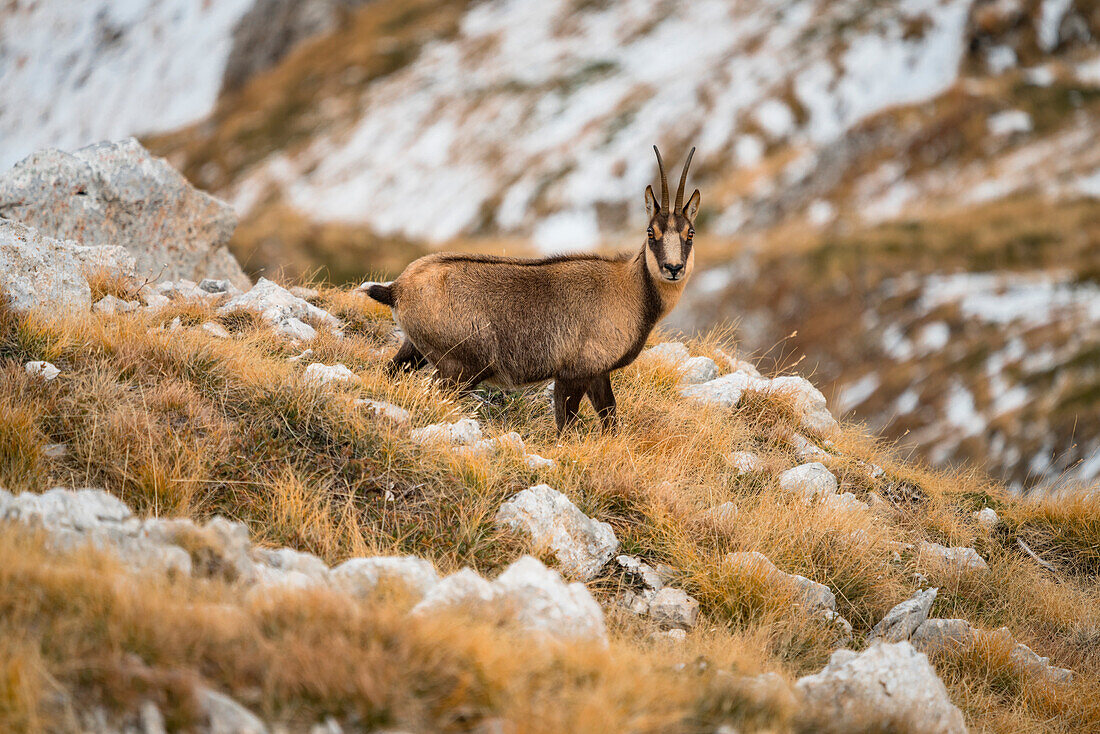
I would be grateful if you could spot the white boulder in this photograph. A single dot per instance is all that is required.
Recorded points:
(809, 480)
(886, 687)
(460, 433)
(361, 576)
(582, 545)
(286, 312)
(322, 374)
(46, 370)
(904, 619)
(382, 409)
(961, 559)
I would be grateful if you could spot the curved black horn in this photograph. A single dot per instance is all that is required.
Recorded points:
(664, 181)
(683, 180)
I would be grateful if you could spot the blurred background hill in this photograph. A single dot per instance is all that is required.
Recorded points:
(900, 197)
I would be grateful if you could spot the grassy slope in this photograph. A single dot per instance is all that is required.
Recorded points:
(178, 423)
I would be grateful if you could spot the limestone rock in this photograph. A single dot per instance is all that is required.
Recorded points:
(672, 354)
(808, 402)
(581, 545)
(904, 619)
(46, 370)
(545, 603)
(746, 462)
(117, 194)
(723, 513)
(809, 480)
(940, 635)
(322, 374)
(360, 576)
(815, 597)
(698, 370)
(639, 573)
(987, 518)
(724, 391)
(226, 716)
(460, 433)
(888, 686)
(37, 271)
(464, 587)
(960, 559)
(382, 409)
(673, 608)
(285, 312)
(216, 330)
(507, 442)
(111, 305)
(536, 462)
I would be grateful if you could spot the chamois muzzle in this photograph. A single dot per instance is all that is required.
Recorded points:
(672, 272)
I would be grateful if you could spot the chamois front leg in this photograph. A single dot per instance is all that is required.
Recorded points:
(567, 401)
(603, 400)
(408, 357)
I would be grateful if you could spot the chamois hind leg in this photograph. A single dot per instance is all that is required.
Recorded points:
(603, 400)
(567, 401)
(408, 357)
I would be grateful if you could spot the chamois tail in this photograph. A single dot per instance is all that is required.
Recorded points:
(381, 292)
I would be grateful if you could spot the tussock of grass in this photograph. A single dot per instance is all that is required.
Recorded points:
(179, 423)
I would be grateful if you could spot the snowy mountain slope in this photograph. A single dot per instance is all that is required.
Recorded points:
(547, 109)
(72, 74)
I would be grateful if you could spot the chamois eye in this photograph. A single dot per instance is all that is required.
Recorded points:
(649, 232)
(691, 233)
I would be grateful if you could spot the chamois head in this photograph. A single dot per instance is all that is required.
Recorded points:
(669, 255)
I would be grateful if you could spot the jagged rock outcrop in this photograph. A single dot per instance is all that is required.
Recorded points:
(960, 559)
(901, 621)
(817, 600)
(116, 193)
(532, 595)
(887, 687)
(951, 636)
(286, 312)
(37, 271)
(582, 545)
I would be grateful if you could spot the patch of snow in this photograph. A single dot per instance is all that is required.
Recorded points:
(1088, 72)
(568, 231)
(748, 150)
(774, 118)
(855, 394)
(1000, 59)
(1050, 20)
(933, 337)
(960, 412)
(895, 344)
(1040, 76)
(1001, 298)
(1009, 122)
(907, 402)
(820, 212)
(76, 73)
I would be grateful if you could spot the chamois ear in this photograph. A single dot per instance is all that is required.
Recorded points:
(692, 207)
(651, 206)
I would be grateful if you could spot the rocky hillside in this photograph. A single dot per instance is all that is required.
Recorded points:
(220, 515)
(864, 166)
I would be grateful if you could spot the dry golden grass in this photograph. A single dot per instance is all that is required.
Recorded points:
(178, 423)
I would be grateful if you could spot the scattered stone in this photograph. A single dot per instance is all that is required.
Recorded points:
(460, 433)
(676, 634)
(110, 305)
(545, 603)
(361, 576)
(322, 374)
(724, 391)
(886, 687)
(904, 619)
(746, 462)
(672, 354)
(304, 293)
(738, 365)
(216, 287)
(698, 370)
(673, 608)
(723, 513)
(987, 518)
(536, 462)
(805, 449)
(382, 409)
(809, 480)
(808, 402)
(942, 635)
(226, 716)
(45, 370)
(815, 597)
(306, 354)
(534, 596)
(152, 299)
(37, 271)
(288, 567)
(55, 450)
(846, 502)
(639, 573)
(117, 194)
(151, 719)
(283, 310)
(216, 330)
(508, 442)
(582, 545)
(960, 559)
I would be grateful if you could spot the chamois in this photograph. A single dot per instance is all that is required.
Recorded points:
(573, 318)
